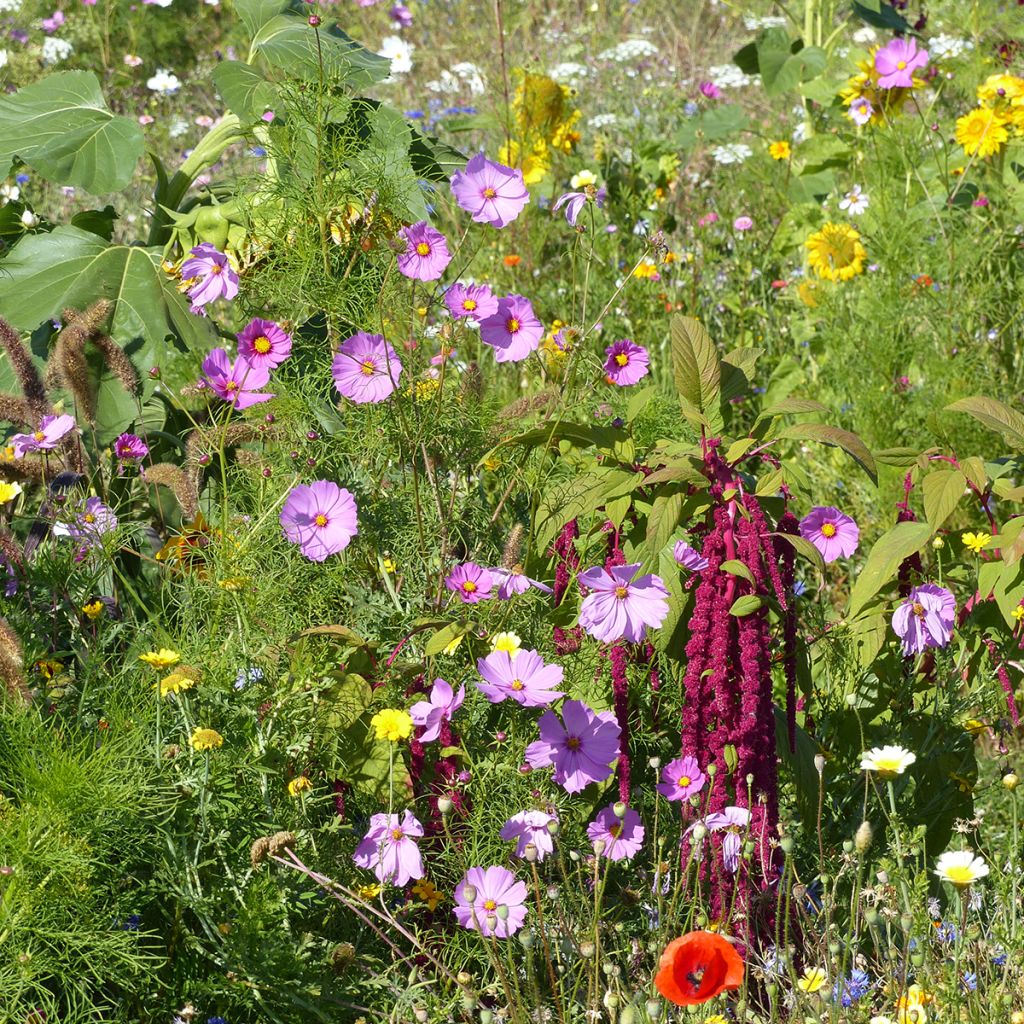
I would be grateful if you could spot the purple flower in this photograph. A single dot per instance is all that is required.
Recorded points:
(490, 193)
(742, 224)
(389, 848)
(51, 430)
(366, 368)
(54, 22)
(264, 343)
(515, 581)
(860, 111)
(582, 750)
(130, 448)
(522, 677)
(896, 63)
(209, 275)
(92, 522)
(832, 532)
(689, 557)
(471, 582)
(400, 15)
(238, 383)
(681, 779)
(513, 331)
(710, 90)
(618, 606)
(626, 364)
(575, 201)
(492, 889)
(321, 518)
(530, 827)
(476, 302)
(439, 708)
(733, 821)
(622, 837)
(426, 252)
(925, 618)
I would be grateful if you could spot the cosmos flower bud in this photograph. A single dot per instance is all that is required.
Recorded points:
(469, 893)
(654, 762)
(786, 843)
(628, 1015)
(486, 1016)
(619, 809)
(610, 1000)
(699, 832)
(421, 1015)
(587, 950)
(492, 921)
(599, 847)
(553, 826)
(527, 939)
(502, 911)
(864, 836)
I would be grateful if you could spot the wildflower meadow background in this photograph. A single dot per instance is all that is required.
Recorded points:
(511, 511)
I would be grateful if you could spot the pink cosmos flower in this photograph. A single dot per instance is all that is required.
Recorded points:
(896, 63)
(689, 557)
(389, 848)
(51, 430)
(522, 677)
(626, 364)
(513, 331)
(575, 201)
(515, 581)
(622, 837)
(431, 714)
(742, 224)
(619, 606)
(832, 532)
(470, 581)
(476, 302)
(237, 383)
(530, 827)
(426, 252)
(94, 520)
(491, 888)
(321, 518)
(210, 274)
(366, 368)
(130, 448)
(54, 22)
(733, 821)
(710, 90)
(860, 111)
(400, 15)
(581, 751)
(264, 343)
(925, 618)
(490, 193)
(681, 779)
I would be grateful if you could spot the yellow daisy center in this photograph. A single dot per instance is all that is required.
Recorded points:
(684, 781)
(396, 833)
(89, 517)
(960, 874)
(231, 385)
(901, 65)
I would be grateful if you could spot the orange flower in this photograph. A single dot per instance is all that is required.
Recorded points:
(698, 967)
(512, 260)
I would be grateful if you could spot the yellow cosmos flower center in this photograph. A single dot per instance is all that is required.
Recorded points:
(396, 833)
(621, 593)
(828, 530)
(517, 684)
(39, 435)
(367, 366)
(489, 193)
(89, 517)
(573, 743)
(262, 344)
(684, 781)
(622, 359)
(469, 305)
(231, 385)
(321, 519)
(423, 249)
(512, 325)
(216, 269)
(615, 831)
(901, 65)
(490, 905)
(918, 609)
(469, 587)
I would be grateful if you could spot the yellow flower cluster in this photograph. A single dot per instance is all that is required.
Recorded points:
(544, 123)
(984, 131)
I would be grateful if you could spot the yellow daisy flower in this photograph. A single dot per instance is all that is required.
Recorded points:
(981, 132)
(164, 658)
(392, 725)
(300, 784)
(426, 892)
(780, 150)
(206, 739)
(836, 253)
(9, 491)
(976, 542)
(812, 979)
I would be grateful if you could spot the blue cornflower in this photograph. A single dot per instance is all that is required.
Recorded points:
(854, 988)
(216, 1020)
(999, 956)
(414, 115)
(132, 923)
(970, 981)
(946, 932)
(257, 151)
(799, 588)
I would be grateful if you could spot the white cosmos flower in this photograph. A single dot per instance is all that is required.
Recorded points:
(855, 202)
(399, 52)
(164, 82)
(960, 868)
(887, 761)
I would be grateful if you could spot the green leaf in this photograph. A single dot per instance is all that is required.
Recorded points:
(901, 458)
(664, 517)
(287, 43)
(61, 126)
(243, 89)
(996, 416)
(825, 434)
(738, 371)
(792, 405)
(804, 548)
(735, 567)
(811, 188)
(746, 605)
(99, 222)
(723, 122)
(581, 495)
(695, 368)
(942, 489)
(902, 541)
(441, 638)
(881, 16)
(256, 13)
(432, 159)
(71, 268)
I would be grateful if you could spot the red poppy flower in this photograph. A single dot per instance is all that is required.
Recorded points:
(698, 967)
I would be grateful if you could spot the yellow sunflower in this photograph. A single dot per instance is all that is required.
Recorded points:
(835, 253)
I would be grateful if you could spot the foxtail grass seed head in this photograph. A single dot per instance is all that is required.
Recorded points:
(863, 837)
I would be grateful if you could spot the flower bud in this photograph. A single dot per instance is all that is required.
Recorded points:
(847, 846)
(786, 843)
(486, 1016)
(469, 893)
(862, 839)
(627, 1016)
(819, 763)
(906, 922)
(527, 939)
(871, 917)
(587, 950)
(599, 847)
(421, 1015)
(553, 827)
(938, 543)
(699, 832)
(1010, 781)
(502, 911)
(463, 977)
(491, 920)
(610, 1000)
(314, 21)
(444, 804)
(653, 1008)
(654, 762)
(530, 853)
(619, 809)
